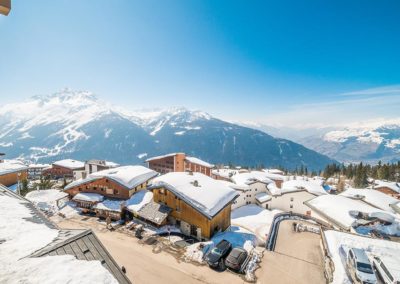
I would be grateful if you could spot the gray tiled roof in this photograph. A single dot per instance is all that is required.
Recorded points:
(154, 212)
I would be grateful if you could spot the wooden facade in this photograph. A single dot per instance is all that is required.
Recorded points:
(107, 188)
(12, 178)
(57, 171)
(190, 220)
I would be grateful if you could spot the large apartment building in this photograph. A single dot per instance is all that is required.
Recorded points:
(179, 162)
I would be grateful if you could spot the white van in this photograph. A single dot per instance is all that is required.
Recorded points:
(388, 269)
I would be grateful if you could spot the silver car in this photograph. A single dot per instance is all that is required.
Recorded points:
(360, 267)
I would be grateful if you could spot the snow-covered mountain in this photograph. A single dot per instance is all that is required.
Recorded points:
(368, 143)
(79, 125)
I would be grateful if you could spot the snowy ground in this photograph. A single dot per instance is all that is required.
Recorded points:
(20, 237)
(339, 244)
(254, 219)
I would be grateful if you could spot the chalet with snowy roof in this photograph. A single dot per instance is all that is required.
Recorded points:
(5, 7)
(115, 183)
(200, 206)
(387, 187)
(64, 168)
(12, 171)
(292, 195)
(50, 254)
(179, 162)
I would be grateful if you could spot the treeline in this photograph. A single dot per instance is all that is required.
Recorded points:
(360, 173)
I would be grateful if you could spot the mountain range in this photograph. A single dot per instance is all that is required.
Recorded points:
(368, 142)
(72, 124)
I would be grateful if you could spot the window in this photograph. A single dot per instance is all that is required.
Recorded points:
(178, 223)
(266, 206)
(94, 188)
(116, 191)
(106, 180)
(291, 206)
(291, 198)
(178, 209)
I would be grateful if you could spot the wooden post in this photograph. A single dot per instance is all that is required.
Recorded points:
(5, 7)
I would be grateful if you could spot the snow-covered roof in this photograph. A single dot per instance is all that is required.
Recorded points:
(392, 185)
(127, 176)
(199, 162)
(251, 177)
(254, 219)
(162, 156)
(234, 185)
(336, 208)
(263, 197)
(339, 243)
(11, 166)
(225, 173)
(86, 196)
(274, 174)
(312, 186)
(70, 164)
(39, 166)
(138, 200)
(23, 232)
(206, 195)
(110, 205)
(373, 197)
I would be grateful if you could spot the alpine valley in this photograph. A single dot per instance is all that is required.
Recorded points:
(70, 124)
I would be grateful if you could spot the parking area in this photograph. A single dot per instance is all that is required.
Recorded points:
(295, 253)
(145, 264)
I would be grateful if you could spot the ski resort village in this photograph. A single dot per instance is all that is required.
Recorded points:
(180, 219)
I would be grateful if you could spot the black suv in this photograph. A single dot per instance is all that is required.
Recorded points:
(235, 259)
(215, 257)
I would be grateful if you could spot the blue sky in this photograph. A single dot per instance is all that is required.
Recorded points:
(276, 62)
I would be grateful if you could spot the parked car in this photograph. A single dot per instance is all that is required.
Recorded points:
(215, 258)
(360, 266)
(388, 270)
(235, 259)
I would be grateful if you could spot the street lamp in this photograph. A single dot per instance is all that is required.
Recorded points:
(5, 7)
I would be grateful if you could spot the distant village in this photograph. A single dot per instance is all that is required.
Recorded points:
(224, 217)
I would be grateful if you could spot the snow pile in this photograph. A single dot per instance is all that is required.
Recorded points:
(254, 219)
(339, 244)
(138, 200)
(195, 252)
(46, 200)
(22, 236)
(373, 197)
(252, 266)
(207, 195)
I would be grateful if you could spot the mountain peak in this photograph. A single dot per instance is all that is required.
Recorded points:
(68, 95)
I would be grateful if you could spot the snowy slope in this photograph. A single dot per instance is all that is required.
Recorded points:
(367, 142)
(78, 125)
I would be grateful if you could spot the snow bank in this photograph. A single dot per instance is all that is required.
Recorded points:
(255, 219)
(339, 244)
